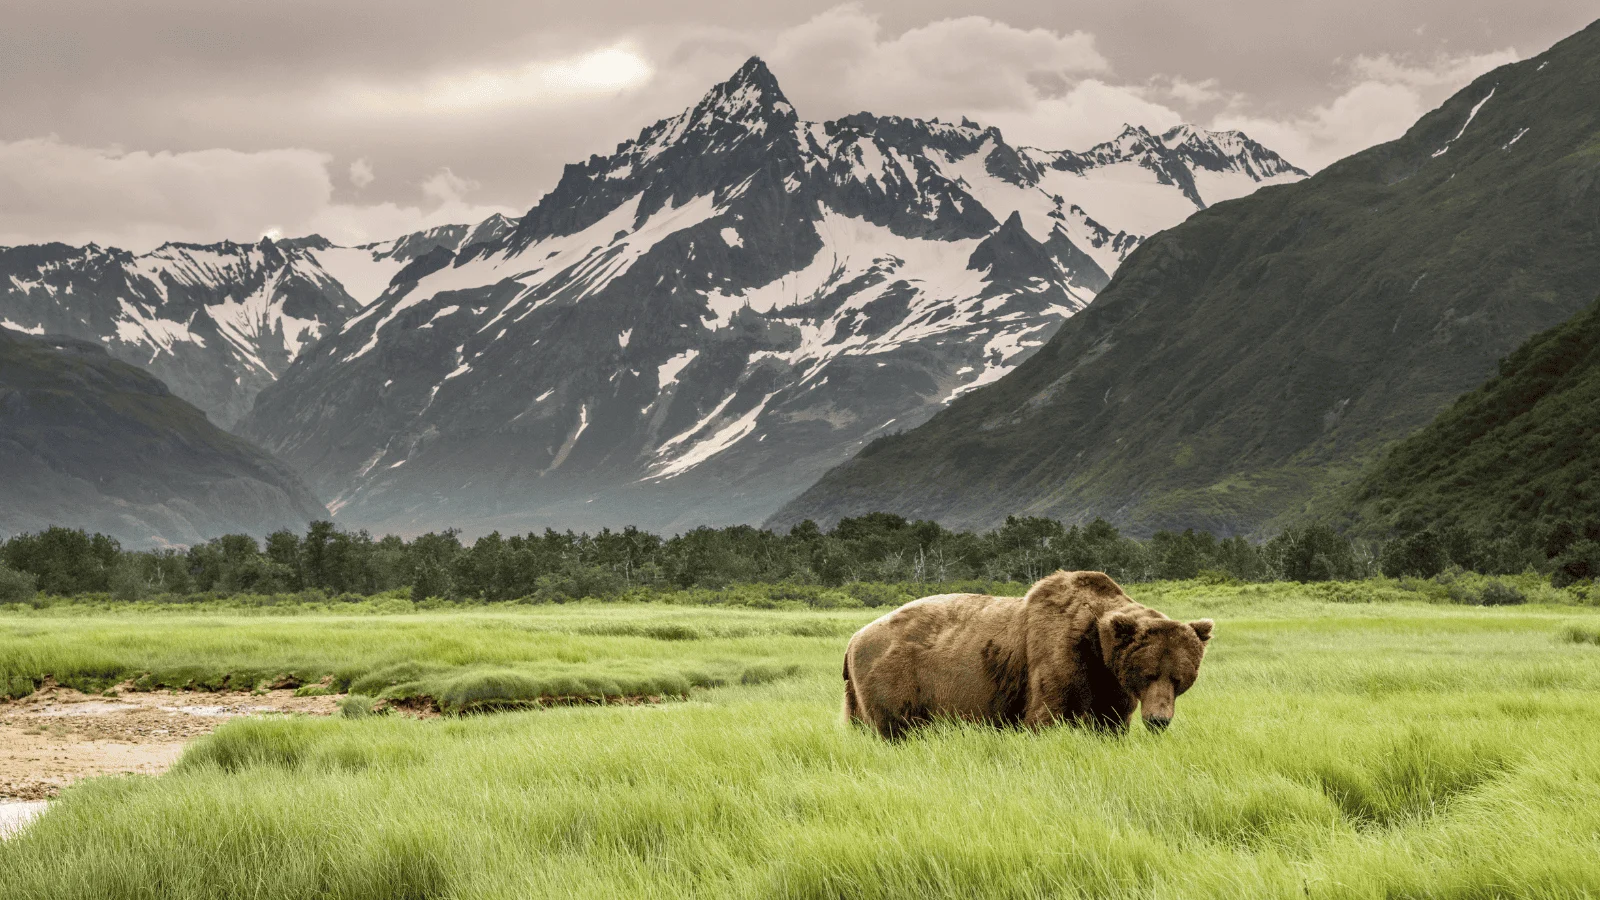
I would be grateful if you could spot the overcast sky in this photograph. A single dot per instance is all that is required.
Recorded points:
(132, 123)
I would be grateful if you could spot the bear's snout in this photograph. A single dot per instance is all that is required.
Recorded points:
(1156, 704)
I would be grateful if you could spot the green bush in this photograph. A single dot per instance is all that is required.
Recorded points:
(127, 583)
(1487, 593)
(16, 587)
(836, 600)
(1580, 561)
(1314, 553)
(1421, 555)
(869, 594)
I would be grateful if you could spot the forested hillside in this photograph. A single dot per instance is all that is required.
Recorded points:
(1518, 459)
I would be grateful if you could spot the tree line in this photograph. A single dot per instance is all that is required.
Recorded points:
(878, 547)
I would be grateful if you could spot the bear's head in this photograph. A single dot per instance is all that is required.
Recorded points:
(1154, 658)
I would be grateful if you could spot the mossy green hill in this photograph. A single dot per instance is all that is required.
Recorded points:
(90, 442)
(1523, 449)
(1260, 354)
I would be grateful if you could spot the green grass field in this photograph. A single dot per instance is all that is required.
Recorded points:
(1330, 749)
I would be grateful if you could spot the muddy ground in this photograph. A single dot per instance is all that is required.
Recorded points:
(56, 736)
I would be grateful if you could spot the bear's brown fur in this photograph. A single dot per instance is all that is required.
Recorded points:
(1075, 649)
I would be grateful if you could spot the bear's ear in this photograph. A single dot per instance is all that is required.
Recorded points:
(1124, 627)
(1202, 629)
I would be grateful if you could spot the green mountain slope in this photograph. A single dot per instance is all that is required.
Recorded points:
(90, 442)
(1254, 357)
(1523, 450)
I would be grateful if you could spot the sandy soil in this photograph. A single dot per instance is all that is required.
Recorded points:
(57, 736)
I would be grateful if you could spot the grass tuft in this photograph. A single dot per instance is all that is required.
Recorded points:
(1581, 634)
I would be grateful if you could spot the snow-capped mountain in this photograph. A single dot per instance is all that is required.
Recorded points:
(691, 329)
(216, 322)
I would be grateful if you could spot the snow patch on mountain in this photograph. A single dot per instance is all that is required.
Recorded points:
(667, 372)
(139, 326)
(1470, 116)
(25, 329)
(700, 451)
(362, 273)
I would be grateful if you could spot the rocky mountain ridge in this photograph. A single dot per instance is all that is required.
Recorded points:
(692, 328)
(216, 322)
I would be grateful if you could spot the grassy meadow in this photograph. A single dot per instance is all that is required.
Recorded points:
(1332, 748)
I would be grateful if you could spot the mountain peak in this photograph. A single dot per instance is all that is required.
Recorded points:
(1181, 133)
(1132, 140)
(1220, 150)
(751, 93)
(755, 71)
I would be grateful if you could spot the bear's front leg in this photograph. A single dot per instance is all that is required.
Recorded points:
(1043, 706)
(1113, 721)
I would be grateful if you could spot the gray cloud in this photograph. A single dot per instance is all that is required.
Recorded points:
(132, 123)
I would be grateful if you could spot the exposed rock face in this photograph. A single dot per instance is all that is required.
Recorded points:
(692, 329)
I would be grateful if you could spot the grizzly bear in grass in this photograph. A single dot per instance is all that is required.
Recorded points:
(1075, 649)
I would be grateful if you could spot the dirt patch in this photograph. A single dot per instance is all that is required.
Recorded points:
(56, 736)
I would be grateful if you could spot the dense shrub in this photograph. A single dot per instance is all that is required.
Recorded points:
(16, 587)
(1421, 555)
(1486, 593)
(62, 560)
(1578, 561)
(875, 594)
(1314, 553)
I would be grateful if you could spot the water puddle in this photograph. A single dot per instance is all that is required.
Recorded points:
(14, 814)
(90, 708)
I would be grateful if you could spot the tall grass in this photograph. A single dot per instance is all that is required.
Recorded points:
(458, 660)
(1328, 750)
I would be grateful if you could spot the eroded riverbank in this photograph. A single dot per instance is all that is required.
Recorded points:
(54, 737)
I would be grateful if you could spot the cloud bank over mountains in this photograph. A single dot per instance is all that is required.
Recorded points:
(55, 191)
(358, 146)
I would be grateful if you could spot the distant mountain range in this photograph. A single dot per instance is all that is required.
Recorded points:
(693, 328)
(91, 442)
(1244, 366)
(216, 322)
(687, 331)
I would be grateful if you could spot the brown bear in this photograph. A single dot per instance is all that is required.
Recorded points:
(1075, 649)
